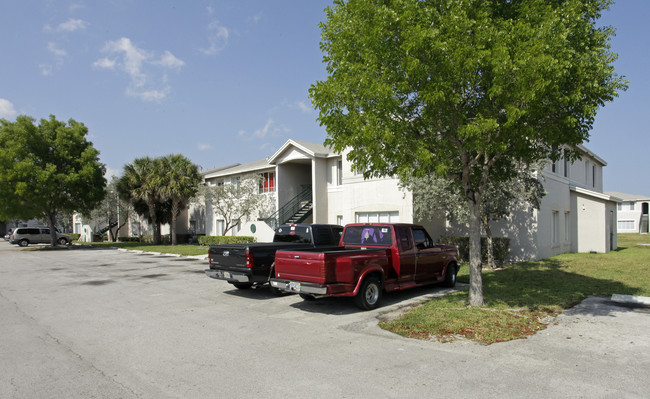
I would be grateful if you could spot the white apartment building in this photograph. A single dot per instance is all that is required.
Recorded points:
(307, 182)
(632, 212)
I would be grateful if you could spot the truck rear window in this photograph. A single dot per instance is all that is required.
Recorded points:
(368, 235)
(293, 234)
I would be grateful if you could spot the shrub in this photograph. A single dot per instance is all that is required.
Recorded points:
(501, 247)
(128, 239)
(218, 240)
(74, 236)
(148, 238)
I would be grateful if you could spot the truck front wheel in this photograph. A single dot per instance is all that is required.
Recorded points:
(369, 295)
(450, 275)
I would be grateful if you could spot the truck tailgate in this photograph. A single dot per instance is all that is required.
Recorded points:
(303, 266)
(320, 267)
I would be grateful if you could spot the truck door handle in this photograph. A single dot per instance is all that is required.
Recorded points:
(296, 256)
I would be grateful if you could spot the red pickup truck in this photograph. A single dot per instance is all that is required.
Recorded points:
(372, 258)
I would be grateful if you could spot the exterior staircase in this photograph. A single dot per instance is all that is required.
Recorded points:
(296, 210)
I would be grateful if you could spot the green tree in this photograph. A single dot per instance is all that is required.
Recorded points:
(462, 89)
(234, 201)
(47, 169)
(179, 181)
(435, 196)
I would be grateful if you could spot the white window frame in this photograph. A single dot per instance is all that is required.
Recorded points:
(377, 217)
(623, 225)
(555, 227)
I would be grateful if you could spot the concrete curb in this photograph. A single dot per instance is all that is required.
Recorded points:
(631, 299)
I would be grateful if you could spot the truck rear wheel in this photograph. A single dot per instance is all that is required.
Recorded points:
(307, 297)
(242, 286)
(369, 295)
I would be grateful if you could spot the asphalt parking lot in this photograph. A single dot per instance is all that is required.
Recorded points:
(113, 324)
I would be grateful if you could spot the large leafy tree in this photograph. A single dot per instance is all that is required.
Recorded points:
(463, 89)
(179, 181)
(48, 169)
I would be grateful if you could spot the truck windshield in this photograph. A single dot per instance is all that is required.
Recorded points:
(368, 235)
(293, 234)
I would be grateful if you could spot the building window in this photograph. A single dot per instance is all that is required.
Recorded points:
(267, 184)
(339, 172)
(377, 217)
(631, 205)
(339, 220)
(627, 225)
(556, 221)
(586, 172)
(593, 176)
(567, 226)
(566, 165)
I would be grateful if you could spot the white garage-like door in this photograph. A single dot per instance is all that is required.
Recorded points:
(377, 217)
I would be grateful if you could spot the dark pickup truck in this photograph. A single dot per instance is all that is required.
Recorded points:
(371, 259)
(245, 265)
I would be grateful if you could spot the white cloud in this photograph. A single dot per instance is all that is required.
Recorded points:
(169, 61)
(149, 95)
(268, 127)
(104, 63)
(56, 50)
(205, 147)
(70, 25)
(218, 36)
(7, 109)
(46, 70)
(132, 59)
(145, 83)
(304, 107)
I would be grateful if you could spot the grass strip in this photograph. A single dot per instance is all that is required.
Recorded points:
(523, 298)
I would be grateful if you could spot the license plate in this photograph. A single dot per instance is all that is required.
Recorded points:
(223, 274)
(293, 286)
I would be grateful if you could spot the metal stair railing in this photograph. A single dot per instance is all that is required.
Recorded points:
(289, 209)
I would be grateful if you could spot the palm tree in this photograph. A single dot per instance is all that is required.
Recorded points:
(179, 181)
(140, 184)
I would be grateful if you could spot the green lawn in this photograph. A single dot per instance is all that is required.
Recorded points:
(185, 250)
(522, 298)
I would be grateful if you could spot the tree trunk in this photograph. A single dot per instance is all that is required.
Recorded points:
(475, 266)
(157, 237)
(51, 221)
(490, 242)
(172, 225)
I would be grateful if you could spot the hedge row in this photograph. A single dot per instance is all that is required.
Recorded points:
(501, 247)
(218, 240)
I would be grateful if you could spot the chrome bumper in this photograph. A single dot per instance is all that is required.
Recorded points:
(228, 276)
(299, 287)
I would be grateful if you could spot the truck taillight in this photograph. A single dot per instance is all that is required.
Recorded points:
(249, 259)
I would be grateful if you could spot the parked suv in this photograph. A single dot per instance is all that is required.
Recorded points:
(24, 236)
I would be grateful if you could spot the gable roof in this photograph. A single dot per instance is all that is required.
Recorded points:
(627, 197)
(312, 149)
(238, 169)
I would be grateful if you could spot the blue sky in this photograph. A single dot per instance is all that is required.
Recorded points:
(226, 81)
